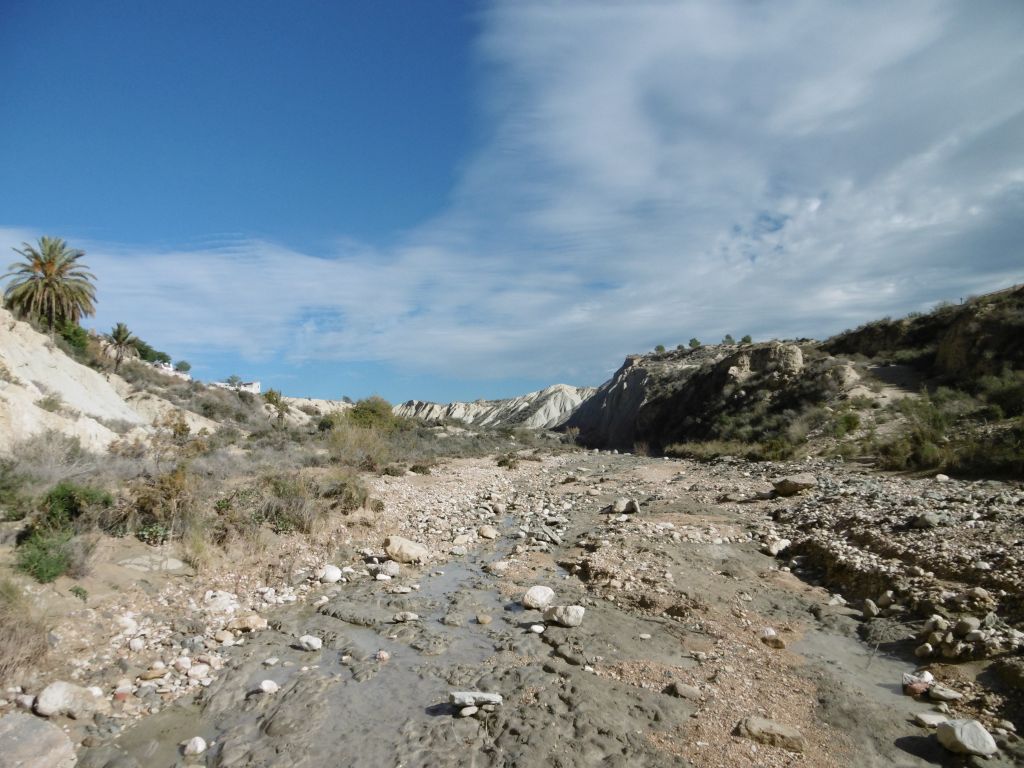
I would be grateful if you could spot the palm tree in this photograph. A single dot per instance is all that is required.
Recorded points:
(50, 284)
(121, 342)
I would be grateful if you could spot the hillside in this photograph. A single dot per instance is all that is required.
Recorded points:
(721, 392)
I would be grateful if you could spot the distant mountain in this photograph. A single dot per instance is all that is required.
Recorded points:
(546, 409)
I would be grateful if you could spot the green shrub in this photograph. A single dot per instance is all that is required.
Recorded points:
(67, 502)
(76, 337)
(51, 402)
(374, 413)
(45, 555)
(1005, 391)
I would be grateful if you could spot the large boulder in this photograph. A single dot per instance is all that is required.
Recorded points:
(28, 742)
(63, 698)
(404, 550)
(966, 737)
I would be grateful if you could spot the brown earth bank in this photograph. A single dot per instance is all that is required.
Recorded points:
(712, 621)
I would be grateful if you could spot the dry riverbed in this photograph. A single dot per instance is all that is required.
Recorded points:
(721, 626)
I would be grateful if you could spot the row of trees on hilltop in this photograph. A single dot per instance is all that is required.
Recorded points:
(51, 286)
(696, 343)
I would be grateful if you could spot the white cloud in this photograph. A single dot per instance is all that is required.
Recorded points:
(654, 171)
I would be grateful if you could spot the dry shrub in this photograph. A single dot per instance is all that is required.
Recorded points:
(366, 447)
(22, 634)
(51, 457)
(289, 503)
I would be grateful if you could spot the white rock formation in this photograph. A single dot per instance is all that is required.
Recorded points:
(545, 409)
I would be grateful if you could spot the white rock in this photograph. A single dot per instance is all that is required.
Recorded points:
(403, 616)
(566, 615)
(966, 737)
(269, 686)
(310, 643)
(488, 532)
(474, 698)
(538, 597)
(137, 644)
(63, 698)
(194, 746)
(930, 719)
(330, 574)
(403, 550)
(537, 629)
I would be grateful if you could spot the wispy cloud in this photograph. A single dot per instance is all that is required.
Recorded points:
(653, 171)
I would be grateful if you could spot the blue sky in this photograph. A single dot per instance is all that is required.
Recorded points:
(458, 200)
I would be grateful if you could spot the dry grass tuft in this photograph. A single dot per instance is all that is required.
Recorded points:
(22, 635)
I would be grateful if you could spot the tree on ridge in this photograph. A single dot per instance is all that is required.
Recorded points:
(50, 284)
(121, 343)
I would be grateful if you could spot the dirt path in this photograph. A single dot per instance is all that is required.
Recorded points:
(669, 659)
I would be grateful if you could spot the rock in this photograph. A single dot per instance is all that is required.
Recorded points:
(775, 547)
(538, 597)
(966, 625)
(269, 686)
(940, 478)
(537, 629)
(389, 568)
(930, 719)
(942, 693)
(403, 550)
(137, 644)
(404, 616)
(794, 484)
(497, 568)
(483, 618)
(770, 732)
(622, 506)
(194, 746)
(468, 711)
(330, 574)
(966, 737)
(63, 698)
(488, 532)
(153, 562)
(565, 615)
(310, 643)
(251, 623)
(29, 742)
(924, 650)
(927, 520)
(474, 698)
(871, 610)
(683, 691)
(771, 638)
